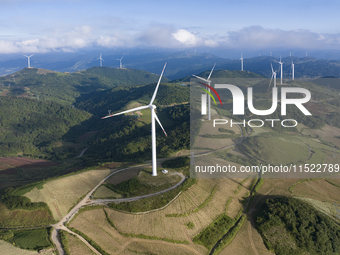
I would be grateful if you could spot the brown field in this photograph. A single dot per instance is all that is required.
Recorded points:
(25, 162)
(8, 249)
(61, 194)
(9, 218)
(327, 133)
(319, 190)
(158, 247)
(240, 245)
(157, 224)
(93, 223)
(77, 247)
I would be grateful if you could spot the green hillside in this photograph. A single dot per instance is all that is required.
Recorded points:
(119, 98)
(66, 87)
(31, 128)
(306, 67)
(290, 226)
(223, 74)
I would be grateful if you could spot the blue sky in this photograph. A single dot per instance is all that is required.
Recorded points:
(33, 26)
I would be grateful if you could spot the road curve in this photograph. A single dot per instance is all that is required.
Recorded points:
(87, 201)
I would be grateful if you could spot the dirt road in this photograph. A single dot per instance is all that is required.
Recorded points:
(88, 201)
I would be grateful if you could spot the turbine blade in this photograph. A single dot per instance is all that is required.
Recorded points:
(272, 67)
(211, 71)
(270, 81)
(127, 111)
(159, 81)
(200, 78)
(160, 124)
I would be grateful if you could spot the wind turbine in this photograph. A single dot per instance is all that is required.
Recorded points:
(28, 60)
(153, 126)
(100, 60)
(241, 62)
(281, 70)
(120, 62)
(208, 82)
(292, 71)
(273, 76)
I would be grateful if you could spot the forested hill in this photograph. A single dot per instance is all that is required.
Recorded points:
(223, 74)
(65, 87)
(119, 98)
(31, 128)
(306, 67)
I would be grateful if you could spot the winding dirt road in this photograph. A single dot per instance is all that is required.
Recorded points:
(86, 201)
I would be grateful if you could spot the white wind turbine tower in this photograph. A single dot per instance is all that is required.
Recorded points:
(273, 77)
(281, 70)
(208, 82)
(100, 60)
(292, 71)
(120, 62)
(241, 62)
(28, 60)
(153, 126)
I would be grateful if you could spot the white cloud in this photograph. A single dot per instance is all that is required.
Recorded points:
(185, 37)
(259, 37)
(169, 37)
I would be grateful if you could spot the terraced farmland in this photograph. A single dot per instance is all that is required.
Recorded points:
(61, 194)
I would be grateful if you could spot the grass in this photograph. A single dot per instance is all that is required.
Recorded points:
(24, 218)
(33, 239)
(147, 204)
(212, 233)
(144, 184)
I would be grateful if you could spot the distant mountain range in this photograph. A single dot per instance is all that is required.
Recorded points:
(180, 64)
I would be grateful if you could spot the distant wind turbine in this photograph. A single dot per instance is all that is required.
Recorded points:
(273, 77)
(241, 62)
(208, 82)
(292, 71)
(120, 62)
(153, 125)
(281, 70)
(100, 60)
(28, 60)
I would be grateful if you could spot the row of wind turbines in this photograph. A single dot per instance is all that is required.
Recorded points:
(274, 72)
(100, 61)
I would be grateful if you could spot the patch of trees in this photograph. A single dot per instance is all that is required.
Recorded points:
(20, 202)
(126, 139)
(176, 162)
(32, 127)
(211, 234)
(309, 231)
